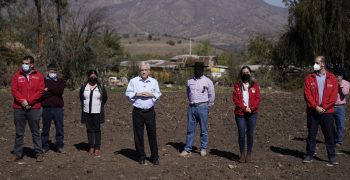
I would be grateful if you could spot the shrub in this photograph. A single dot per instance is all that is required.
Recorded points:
(171, 43)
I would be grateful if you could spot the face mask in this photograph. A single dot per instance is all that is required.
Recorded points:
(317, 67)
(92, 80)
(25, 67)
(245, 77)
(52, 75)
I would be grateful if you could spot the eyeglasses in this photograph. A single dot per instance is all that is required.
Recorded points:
(144, 69)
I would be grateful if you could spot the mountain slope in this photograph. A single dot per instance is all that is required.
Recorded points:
(220, 21)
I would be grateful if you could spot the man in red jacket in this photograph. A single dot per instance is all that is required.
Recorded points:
(27, 87)
(320, 93)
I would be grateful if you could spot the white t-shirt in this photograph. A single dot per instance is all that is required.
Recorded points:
(94, 102)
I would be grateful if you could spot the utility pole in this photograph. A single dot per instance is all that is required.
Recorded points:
(190, 47)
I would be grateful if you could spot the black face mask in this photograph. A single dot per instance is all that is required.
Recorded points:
(92, 80)
(245, 77)
(198, 72)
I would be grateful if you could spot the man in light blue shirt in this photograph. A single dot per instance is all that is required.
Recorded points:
(143, 91)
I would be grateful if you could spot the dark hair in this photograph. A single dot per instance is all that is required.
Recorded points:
(51, 67)
(244, 67)
(338, 70)
(30, 58)
(92, 71)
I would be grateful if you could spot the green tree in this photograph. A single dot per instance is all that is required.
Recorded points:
(260, 50)
(316, 28)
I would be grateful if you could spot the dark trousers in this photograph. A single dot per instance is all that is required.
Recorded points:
(140, 119)
(246, 125)
(327, 126)
(55, 114)
(20, 120)
(93, 126)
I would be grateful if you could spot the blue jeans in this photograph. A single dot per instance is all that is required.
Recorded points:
(339, 118)
(327, 126)
(55, 114)
(246, 125)
(197, 114)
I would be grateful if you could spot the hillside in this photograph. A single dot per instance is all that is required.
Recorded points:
(224, 22)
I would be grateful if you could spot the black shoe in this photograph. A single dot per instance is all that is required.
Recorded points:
(142, 161)
(332, 162)
(308, 159)
(156, 162)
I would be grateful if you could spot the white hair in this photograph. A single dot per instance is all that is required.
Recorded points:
(143, 63)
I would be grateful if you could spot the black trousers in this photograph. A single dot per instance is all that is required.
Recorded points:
(327, 126)
(140, 119)
(93, 127)
(21, 117)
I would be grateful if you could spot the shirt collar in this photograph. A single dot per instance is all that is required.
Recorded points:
(321, 75)
(146, 80)
(198, 78)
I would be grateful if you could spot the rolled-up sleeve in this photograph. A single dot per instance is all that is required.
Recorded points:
(345, 87)
(211, 93)
(156, 93)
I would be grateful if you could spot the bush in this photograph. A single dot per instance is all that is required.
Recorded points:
(125, 36)
(179, 42)
(171, 43)
(293, 84)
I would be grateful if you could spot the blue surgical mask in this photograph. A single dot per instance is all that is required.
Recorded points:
(25, 67)
(53, 75)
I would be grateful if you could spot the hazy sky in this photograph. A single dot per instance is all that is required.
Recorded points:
(278, 3)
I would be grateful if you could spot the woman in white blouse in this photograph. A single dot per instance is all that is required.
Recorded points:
(93, 97)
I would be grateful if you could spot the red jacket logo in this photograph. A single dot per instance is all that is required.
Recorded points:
(21, 79)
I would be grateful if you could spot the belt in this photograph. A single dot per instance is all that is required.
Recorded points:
(144, 110)
(339, 104)
(198, 104)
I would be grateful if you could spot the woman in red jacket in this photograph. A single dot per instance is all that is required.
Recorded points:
(246, 96)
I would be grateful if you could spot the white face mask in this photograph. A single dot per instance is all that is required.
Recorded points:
(53, 75)
(317, 67)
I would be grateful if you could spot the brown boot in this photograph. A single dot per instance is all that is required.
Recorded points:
(242, 159)
(97, 152)
(91, 151)
(248, 157)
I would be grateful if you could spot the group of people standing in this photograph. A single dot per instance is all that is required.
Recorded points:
(324, 95)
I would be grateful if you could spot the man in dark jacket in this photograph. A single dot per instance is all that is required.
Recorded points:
(52, 102)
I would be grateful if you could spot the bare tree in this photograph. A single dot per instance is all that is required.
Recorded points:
(40, 34)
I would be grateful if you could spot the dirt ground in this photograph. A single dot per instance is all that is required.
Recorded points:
(278, 149)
